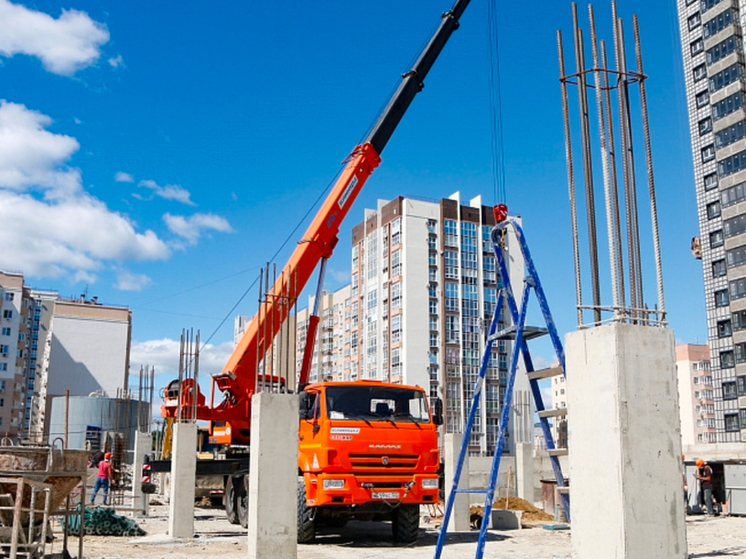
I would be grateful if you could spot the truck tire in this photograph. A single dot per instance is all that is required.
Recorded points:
(231, 511)
(306, 517)
(405, 522)
(242, 501)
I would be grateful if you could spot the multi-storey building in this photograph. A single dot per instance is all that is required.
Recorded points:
(50, 346)
(715, 77)
(697, 406)
(423, 291)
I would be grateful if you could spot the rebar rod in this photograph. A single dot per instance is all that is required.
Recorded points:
(649, 163)
(587, 162)
(614, 184)
(570, 181)
(613, 264)
(196, 377)
(259, 339)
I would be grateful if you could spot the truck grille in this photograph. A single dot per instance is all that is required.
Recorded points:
(373, 462)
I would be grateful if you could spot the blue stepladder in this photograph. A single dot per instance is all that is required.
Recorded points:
(521, 334)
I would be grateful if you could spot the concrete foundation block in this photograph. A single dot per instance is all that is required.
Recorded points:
(459, 521)
(506, 519)
(625, 444)
(183, 476)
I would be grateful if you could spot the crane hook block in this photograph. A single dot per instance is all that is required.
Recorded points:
(501, 213)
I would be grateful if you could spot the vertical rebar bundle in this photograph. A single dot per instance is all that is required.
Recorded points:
(609, 85)
(188, 370)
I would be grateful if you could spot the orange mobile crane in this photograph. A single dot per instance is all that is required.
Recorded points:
(367, 449)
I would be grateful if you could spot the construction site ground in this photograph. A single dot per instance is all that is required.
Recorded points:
(709, 537)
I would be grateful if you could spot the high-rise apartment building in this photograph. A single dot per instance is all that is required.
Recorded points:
(715, 77)
(50, 345)
(696, 403)
(423, 290)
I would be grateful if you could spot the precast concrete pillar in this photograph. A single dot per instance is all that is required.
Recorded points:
(183, 477)
(273, 477)
(459, 521)
(143, 446)
(524, 469)
(626, 495)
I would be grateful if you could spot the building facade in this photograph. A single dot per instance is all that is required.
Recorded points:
(424, 288)
(696, 400)
(50, 345)
(715, 76)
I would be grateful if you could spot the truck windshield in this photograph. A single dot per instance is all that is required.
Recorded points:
(376, 403)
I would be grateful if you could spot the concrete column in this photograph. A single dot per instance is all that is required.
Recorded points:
(183, 476)
(143, 446)
(524, 469)
(626, 496)
(273, 477)
(459, 521)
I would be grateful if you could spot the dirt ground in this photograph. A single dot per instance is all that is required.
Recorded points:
(707, 538)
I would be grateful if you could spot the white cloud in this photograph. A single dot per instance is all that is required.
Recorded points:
(49, 226)
(191, 228)
(64, 45)
(168, 192)
(116, 62)
(121, 176)
(127, 281)
(163, 354)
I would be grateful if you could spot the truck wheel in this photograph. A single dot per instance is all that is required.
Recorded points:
(242, 501)
(230, 501)
(405, 523)
(306, 517)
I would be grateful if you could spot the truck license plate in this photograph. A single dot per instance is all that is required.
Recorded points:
(385, 495)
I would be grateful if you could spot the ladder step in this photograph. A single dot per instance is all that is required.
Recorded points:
(557, 452)
(546, 373)
(529, 333)
(471, 490)
(554, 412)
(564, 490)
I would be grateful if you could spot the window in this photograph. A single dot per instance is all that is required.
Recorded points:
(733, 195)
(396, 263)
(708, 153)
(396, 231)
(729, 135)
(734, 226)
(727, 361)
(699, 72)
(702, 98)
(694, 21)
(713, 26)
(740, 354)
(6, 331)
(739, 320)
(724, 328)
(372, 298)
(736, 256)
(431, 224)
(705, 126)
(713, 210)
(721, 298)
(433, 339)
(721, 50)
(707, 4)
(9, 296)
(8, 313)
(395, 328)
(711, 181)
(3, 367)
(732, 164)
(718, 268)
(731, 422)
(433, 307)
(737, 289)
(716, 238)
(432, 291)
(396, 295)
(725, 106)
(696, 47)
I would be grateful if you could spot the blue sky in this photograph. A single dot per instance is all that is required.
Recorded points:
(156, 155)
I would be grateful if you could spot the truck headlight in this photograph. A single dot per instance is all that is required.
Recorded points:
(430, 483)
(334, 484)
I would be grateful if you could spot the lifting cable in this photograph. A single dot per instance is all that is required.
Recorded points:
(496, 125)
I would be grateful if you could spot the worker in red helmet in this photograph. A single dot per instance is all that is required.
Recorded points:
(103, 478)
(704, 475)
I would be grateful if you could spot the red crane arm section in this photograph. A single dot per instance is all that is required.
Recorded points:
(318, 242)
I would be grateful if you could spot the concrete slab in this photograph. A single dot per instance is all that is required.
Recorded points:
(183, 476)
(459, 521)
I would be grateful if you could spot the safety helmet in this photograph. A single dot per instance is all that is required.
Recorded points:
(107, 455)
(700, 462)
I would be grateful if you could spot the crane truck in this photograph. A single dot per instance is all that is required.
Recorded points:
(367, 450)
